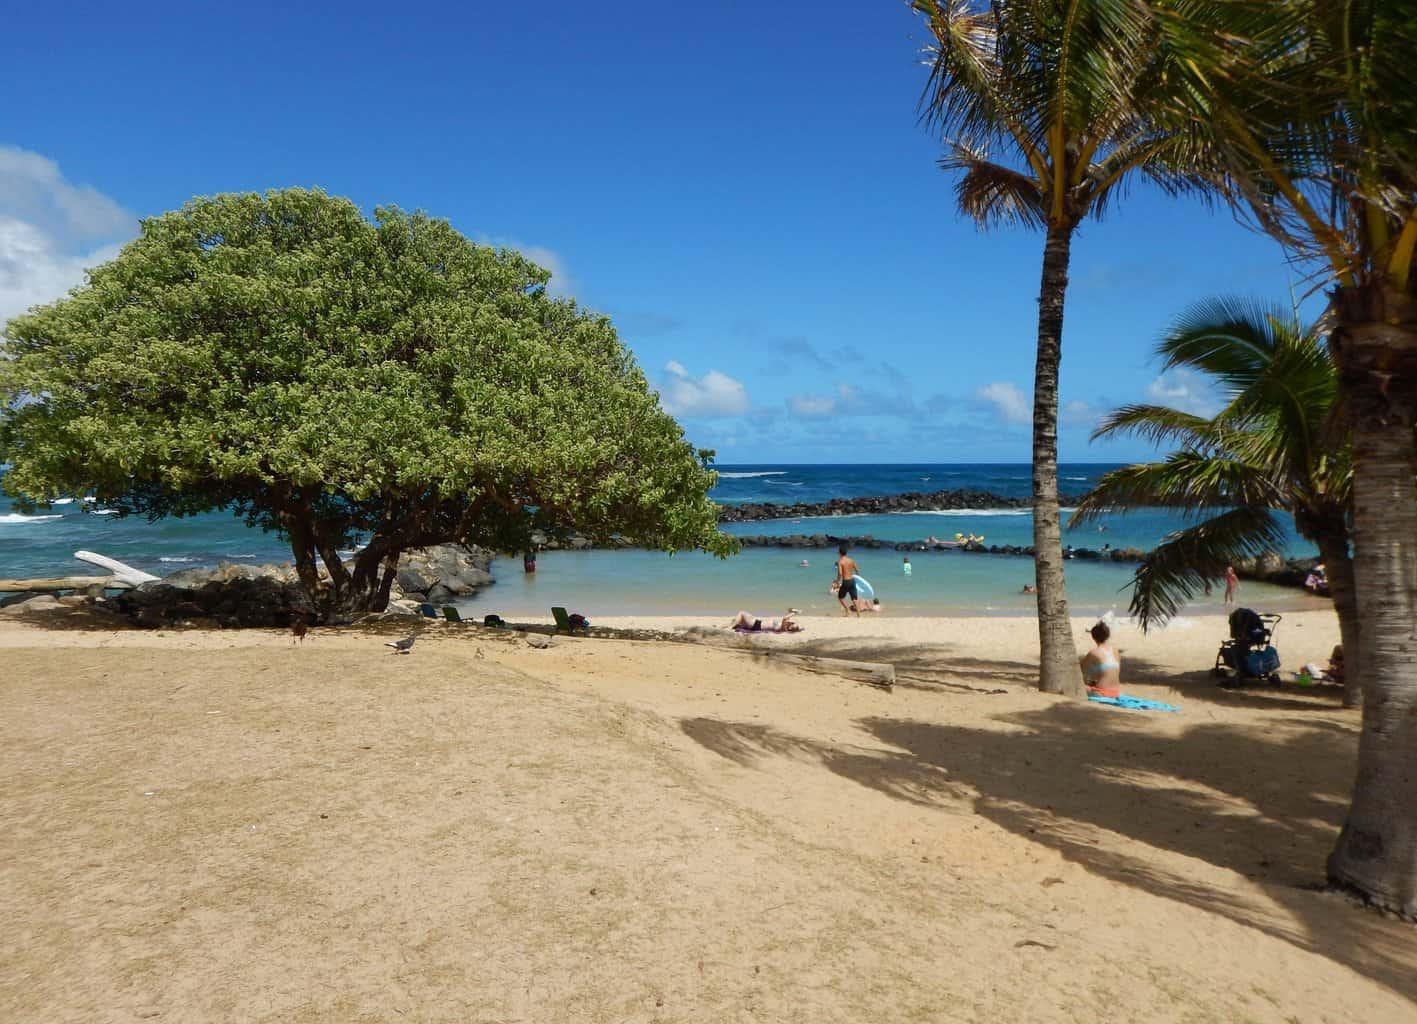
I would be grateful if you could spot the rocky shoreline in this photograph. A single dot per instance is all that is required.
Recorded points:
(910, 501)
(234, 596)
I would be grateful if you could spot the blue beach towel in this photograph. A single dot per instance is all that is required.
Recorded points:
(1132, 703)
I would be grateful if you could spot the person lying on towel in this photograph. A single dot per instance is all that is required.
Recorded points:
(746, 622)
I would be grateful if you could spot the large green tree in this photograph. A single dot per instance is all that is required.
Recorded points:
(340, 380)
(1275, 446)
(1049, 109)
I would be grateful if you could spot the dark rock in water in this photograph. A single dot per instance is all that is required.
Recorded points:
(912, 501)
(443, 572)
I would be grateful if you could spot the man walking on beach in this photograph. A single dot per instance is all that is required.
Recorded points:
(846, 582)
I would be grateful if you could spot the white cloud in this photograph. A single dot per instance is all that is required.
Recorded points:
(848, 401)
(713, 394)
(1078, 414)
(1184, 390)
(562, 284)
(50, 231)
(33, 191)
(1010, 403)
(812, 405)
(35, 269)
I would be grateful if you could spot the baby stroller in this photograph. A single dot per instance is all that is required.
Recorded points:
(1249, 654)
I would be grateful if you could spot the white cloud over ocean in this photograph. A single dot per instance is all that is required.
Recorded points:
(1182, 389)
(1008, 400)
(51, 230)
(713, 394)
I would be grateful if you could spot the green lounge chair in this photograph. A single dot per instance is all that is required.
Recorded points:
(451, 614)
(563, 621)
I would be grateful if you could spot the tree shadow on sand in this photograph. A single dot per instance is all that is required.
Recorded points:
(926, 666)
(1264, 803)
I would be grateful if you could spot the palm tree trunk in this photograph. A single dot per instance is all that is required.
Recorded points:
(1377, 354)
(1058, 670)
(1338, 567)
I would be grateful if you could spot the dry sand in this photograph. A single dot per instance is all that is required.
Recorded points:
(207, 826)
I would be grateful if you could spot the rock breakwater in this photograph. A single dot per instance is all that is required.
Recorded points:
(911, 501)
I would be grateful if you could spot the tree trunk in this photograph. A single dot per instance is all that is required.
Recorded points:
(1338, 567)
(1058, 669)
(1376, 346)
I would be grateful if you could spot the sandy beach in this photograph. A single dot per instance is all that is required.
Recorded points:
(232, 826)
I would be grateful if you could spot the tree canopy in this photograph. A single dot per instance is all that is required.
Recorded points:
(337, 379)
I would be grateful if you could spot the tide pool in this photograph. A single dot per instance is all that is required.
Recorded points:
(766, 581)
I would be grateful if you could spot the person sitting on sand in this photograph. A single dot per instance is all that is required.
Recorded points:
(1335, 664)
(1102, 666)
(749, 623)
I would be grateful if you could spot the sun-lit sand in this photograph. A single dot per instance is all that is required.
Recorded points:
(230, 826)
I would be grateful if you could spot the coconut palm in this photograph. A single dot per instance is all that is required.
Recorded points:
(1048, 110)
(1313, 116)
(1273, 448)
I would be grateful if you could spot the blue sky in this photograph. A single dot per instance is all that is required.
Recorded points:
(743, 186)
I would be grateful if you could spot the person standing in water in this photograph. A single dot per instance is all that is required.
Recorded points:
(1232, 584)
(846, 582)
(905, 565)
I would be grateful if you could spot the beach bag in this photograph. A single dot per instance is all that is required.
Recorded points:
(1262, 663)
(494, 621)
(579, 621)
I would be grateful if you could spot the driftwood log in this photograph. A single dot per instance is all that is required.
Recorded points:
(55, 583)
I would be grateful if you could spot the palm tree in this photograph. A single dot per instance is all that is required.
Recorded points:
(1313, 116)
(1274, 447)
(1075, 95)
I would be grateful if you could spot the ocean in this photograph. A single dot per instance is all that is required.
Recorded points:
(761, 580)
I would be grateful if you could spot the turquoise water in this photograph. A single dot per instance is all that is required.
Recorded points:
(765, 581)
(636, 582)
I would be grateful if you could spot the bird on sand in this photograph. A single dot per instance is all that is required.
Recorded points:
(401, 646)
(299, 626)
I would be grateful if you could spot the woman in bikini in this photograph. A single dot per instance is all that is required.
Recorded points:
(1102, 666)
(747, 622)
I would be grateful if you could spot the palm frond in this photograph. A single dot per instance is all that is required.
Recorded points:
(991, 194)
(1161, 424)
(966, 95)
(1192, 481)
(1186, 562)
(1231, 339)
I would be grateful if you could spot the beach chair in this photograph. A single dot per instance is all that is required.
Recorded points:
(428, 611)
(563, 621)
(451, 614)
